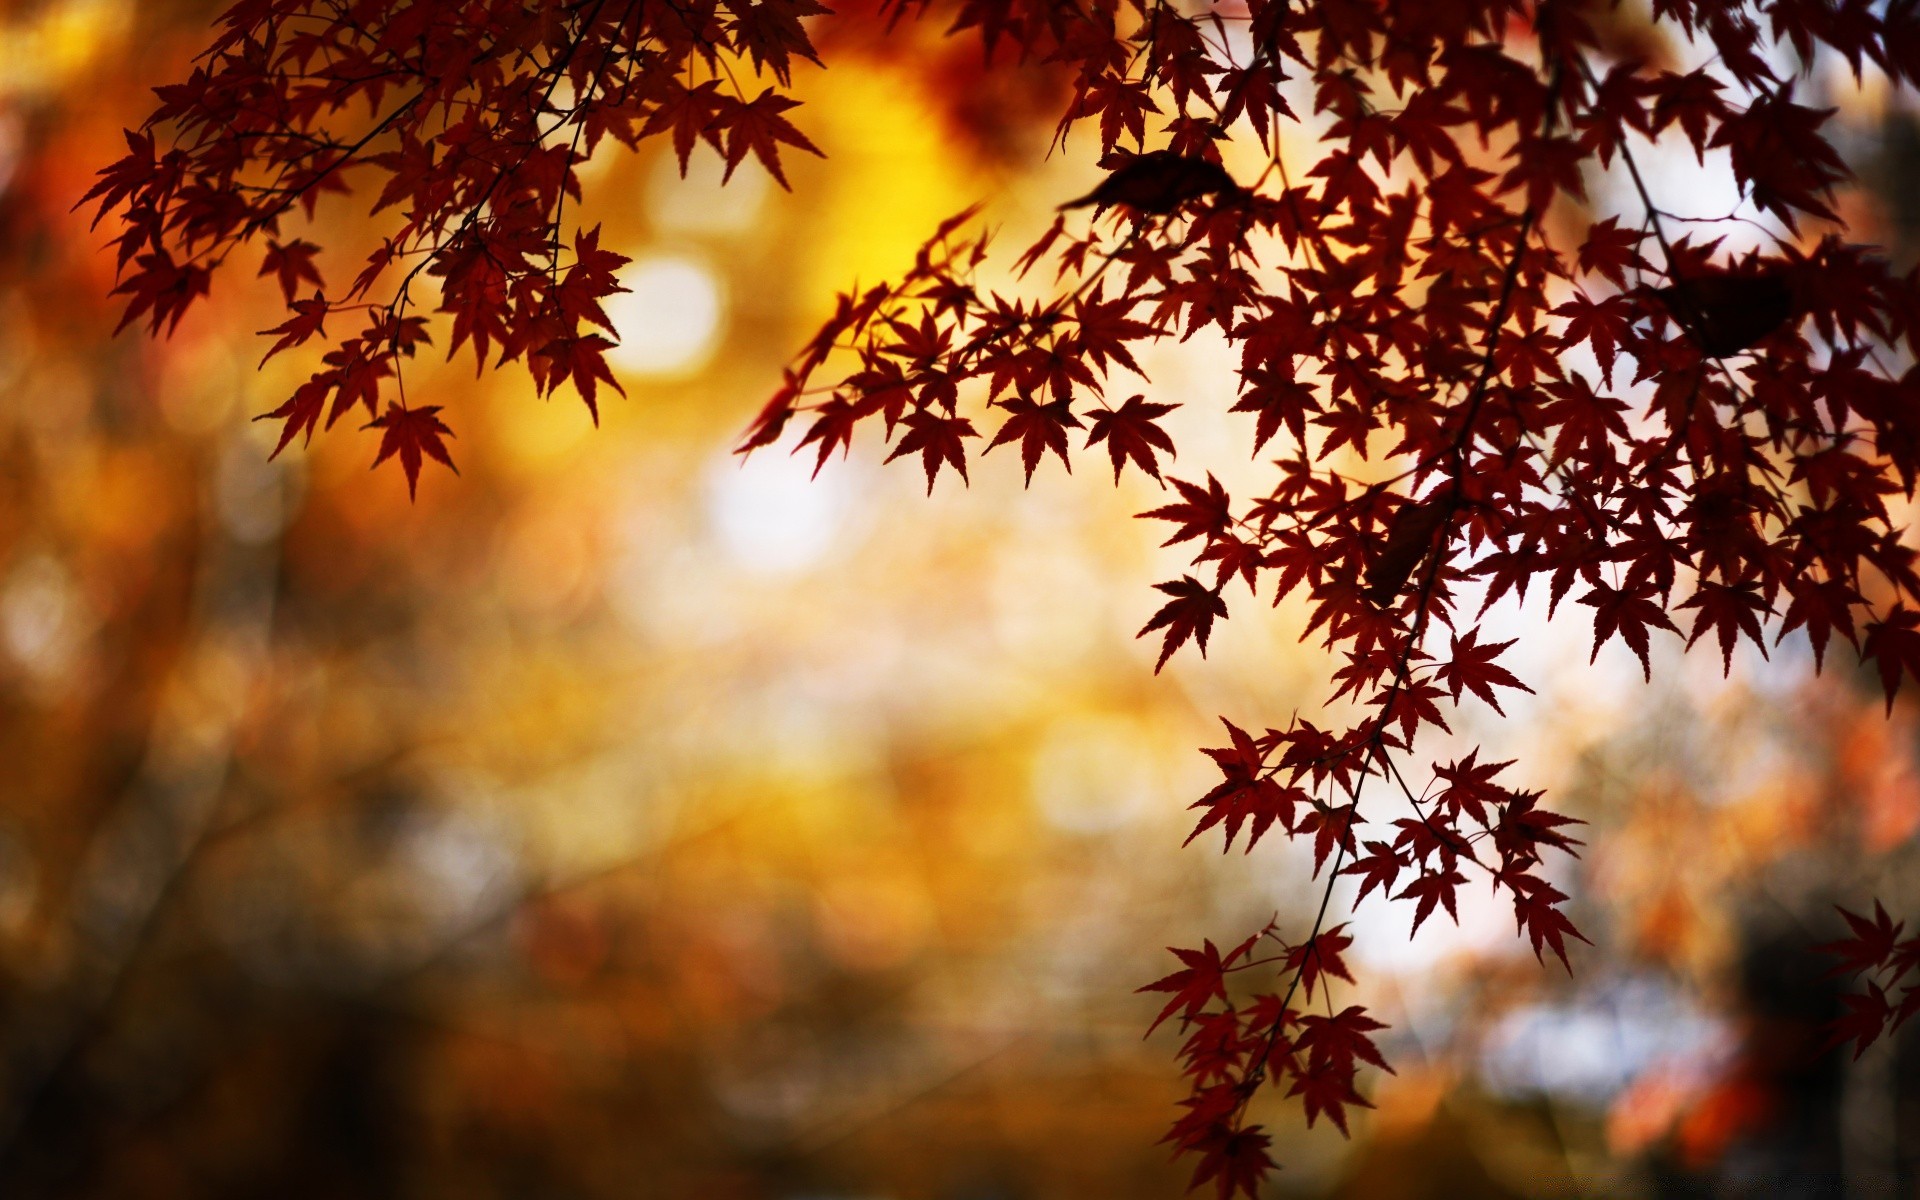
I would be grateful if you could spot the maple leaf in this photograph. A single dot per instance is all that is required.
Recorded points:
(1589, 423)
(291, 265)
(163, 289)
(691, 114)
(1330, 826)
(1536, 913)
(1040, 428)
(1334, 1046)
(1864, 1021)
(1202, 982)
(1105, 329)
(1871, 945)
(1342, 1037)
(308, 319)
(1433, 887)
(1779, 158)
(1279, 401)
(583, 360)
(1327, 1090)
(1237, 1162)
(1691, 100)
(759, 129)
(1611, 251)
(1470, 666)
(1215, 1050)
(1381, 866)
(774, 415)
(1190, 614)
(411, 433)
(1524, 827)
(1729, 610)
(832, 426)
(302, 411)
(1601, 325)
(937, 438)
(1130, 433)
(1246, 792)
(1202, 513)
(1629, 612)
(1209, 1117)
(1893, 643)
(1320, 955)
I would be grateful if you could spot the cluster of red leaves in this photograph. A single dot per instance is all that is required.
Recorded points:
(1409, 311)
(1318, 1055)
(1876, 954)
(1435, 276)
(469, 121)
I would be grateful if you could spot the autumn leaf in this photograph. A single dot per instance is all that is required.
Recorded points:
(1130, 434)
(1320, 955)
(1865, 1019)
(1379, 868)
(1470, 666)
(758, 128)
(308, 320)
(411, 433)
(1629, 613)
(1039, 428)
(1202, 512)
(1202, 982)
(1190, 614)
(1430, 888)
(938, 441)
(1872, 944)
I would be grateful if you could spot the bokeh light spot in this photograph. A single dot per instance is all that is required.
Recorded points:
(670, 320)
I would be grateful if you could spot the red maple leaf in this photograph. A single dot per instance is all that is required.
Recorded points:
(1236, 1162)
(1202, 982)
(411, 433)
(1434, 887)
(937, 438)
(1320, 955)
(1327, 1089)
(1202, 513)
(307, 321)
(1471, 666)
(1870, 947)
(1381, 866)
(1893, 643)
(1190, 614)
(291, 265)
(1536, 913)
(1629, 612)
(1611, 251)
(1866, 1017)
(757, 128)
(1040, 427)
(1247, 792)
(1130, 433)
(1334, 1046)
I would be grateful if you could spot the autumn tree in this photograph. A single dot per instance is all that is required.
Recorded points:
(1474, 381)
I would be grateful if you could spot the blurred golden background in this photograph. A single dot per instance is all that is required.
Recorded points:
(625, 819)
